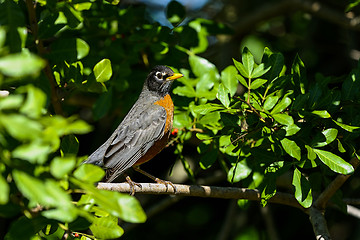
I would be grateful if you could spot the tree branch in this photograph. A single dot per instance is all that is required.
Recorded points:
(318, 222)
(203, 191)
(330, 190)
(40, 47)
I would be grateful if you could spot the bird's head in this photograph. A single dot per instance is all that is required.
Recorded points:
(160, 79)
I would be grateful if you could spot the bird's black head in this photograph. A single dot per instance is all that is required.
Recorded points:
(160, 80)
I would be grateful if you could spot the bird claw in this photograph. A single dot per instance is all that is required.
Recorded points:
(132, 185)
(166, 183)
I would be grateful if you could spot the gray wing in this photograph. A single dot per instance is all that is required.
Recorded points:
(131, 140)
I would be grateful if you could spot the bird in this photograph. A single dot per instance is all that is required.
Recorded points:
(144, 131)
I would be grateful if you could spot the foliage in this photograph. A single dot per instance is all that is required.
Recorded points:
(258, 119)
(283, 122)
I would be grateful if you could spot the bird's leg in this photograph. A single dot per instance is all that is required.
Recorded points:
(166, 183)
(132, 185)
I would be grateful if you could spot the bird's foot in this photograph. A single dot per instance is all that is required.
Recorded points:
(132, 185)
(166, 183)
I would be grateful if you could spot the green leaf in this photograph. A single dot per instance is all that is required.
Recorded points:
(69, 145)
(24, 228)
(34, 152)
(248, 61)
(117, 204)
(73, 17)
(299, 75)
(240, 67)
(211, 120)
(103, 70)
(257, 83)
(89, 173)
(46, 193)
(21, 64)
(201, 66)
(238, 172)
(310, 153)
(206, 108)
(106, 228)
(208, 159)
(346, 127)
(269, 190)
(334, 162)
(291, 148)
(276, 61)
(82, 48)
(291, 130)
(229, 80)
(185, 91)
(21, 127)
(69, 50)
(202, 36)
(351, 86)
(35, 102)
(4, 190)
(303, 192)
(182, 120)
(230, 120)
(340, 146)
(11, 102)
(61, 166)
(321, 113)
(328, 135)
(270, 102)
(242, 80)
(223, 95)
(260, 70)
(282, 105)
(283, 119)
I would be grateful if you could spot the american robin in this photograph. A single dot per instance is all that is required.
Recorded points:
(143, 133)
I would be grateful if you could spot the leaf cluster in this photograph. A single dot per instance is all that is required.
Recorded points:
(282, 122)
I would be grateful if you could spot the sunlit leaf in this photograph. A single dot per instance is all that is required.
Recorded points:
(223, 95)
(282, 105)
(229, 80)
(257, 83)
(346, 127)
(103, 70)
(89, 173)
(303, 192)
(21, 64)
(248, 62)
(291, 148)
(106, 228)
(238, 172)
(334, 162)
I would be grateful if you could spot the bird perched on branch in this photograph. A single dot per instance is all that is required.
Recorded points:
(144, 131)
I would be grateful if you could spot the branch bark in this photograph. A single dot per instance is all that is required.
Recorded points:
(41, 50)
(202, 191)
(319, 224)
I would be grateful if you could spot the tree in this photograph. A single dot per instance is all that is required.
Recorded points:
(263, 120)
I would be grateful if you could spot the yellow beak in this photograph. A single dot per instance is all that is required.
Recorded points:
(175, 76)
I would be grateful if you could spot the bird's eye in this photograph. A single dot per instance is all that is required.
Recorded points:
(159, 75)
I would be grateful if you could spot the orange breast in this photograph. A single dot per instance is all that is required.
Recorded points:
(159, 145)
